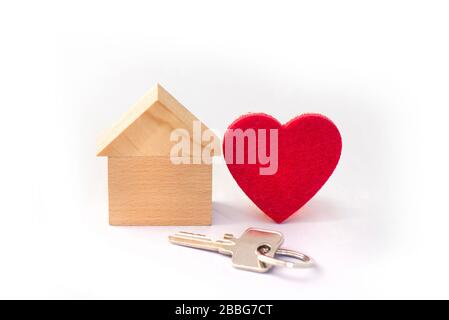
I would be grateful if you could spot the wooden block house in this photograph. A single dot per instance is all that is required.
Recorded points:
(145, 186)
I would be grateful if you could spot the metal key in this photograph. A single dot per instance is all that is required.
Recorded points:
(255, 250)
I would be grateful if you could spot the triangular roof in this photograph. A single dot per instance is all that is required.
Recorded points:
(145, 129)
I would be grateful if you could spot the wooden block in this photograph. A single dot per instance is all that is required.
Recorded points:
(145, 187)
(145, 129)
(153, 191)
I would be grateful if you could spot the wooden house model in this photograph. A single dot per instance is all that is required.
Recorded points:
(145, 186)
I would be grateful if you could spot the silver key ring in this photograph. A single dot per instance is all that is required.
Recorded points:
(301, 260)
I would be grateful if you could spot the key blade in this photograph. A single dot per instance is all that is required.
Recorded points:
(190, 235)
(200, 241)
(192, 240)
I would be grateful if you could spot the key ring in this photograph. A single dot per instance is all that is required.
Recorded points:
(302, 260)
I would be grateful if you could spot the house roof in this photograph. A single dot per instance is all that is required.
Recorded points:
(145, 129)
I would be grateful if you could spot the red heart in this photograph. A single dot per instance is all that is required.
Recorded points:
(309, 147)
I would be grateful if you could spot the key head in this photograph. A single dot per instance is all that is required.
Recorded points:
(244, 252)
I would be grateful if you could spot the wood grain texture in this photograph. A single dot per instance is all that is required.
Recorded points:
(145, 129)
(153, 191)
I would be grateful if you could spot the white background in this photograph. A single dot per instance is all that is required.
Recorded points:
(379, 69)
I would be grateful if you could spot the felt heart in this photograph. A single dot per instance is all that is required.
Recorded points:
(306, 149)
